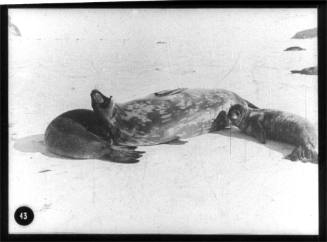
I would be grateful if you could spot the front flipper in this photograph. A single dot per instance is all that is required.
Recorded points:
(123, 154)
(176, 141)
(169, 92)
(259, 132)
(220, 122)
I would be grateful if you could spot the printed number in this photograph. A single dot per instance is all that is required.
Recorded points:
(24, 215)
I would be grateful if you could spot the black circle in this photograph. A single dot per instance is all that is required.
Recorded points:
(24, 215)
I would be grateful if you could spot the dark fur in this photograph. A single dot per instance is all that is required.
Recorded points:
(277, 125)
(81, 134)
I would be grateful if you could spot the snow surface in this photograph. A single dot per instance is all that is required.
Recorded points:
(219, 183)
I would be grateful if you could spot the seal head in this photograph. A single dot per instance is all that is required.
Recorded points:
(102, 104)
(237, 114)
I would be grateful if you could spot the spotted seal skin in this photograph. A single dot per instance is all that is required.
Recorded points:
(166, 116)
(280, 126)
(81, 134)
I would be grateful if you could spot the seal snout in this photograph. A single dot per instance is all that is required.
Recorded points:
(234, 116)
(99, 98)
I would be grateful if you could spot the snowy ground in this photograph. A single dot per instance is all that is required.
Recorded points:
(216, 183)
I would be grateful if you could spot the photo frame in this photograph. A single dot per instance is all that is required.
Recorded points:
(221, 185)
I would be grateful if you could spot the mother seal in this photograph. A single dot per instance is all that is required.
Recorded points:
(280, 126)
(166, 116)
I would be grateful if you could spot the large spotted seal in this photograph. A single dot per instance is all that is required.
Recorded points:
(80, 134)
(280, 126)
(166, 116)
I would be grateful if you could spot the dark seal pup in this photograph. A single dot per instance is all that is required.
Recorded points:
(80, 134)
(280, 126)
(166, 116)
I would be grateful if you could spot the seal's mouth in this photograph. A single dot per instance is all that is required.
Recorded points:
(99, 98)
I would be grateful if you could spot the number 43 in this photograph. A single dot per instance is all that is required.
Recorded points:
(23, 215)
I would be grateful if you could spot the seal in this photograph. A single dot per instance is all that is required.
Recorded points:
(279, 126)
(166, 116)
(81, 134)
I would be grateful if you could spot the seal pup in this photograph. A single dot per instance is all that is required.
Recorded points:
(166, 116)
(280, 126)
(80, 134)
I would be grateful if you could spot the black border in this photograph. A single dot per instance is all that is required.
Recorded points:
(322, 90)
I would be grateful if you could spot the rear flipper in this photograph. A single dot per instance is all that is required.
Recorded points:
(176, 141)
(304, 154)
(251, 105)
(122, 154)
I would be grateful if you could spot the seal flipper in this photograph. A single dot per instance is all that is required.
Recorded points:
(221, 122)
(169, 92)
(122, 154)
(259, 131)
(176, 141)
(251, 105)
(304, 154)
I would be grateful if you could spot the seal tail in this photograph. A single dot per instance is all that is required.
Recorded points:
(303, 154)
(122, 154)
(251, 105)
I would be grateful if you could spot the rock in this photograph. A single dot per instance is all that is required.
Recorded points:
(294, 48)
(307, 71)
(306, 34)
